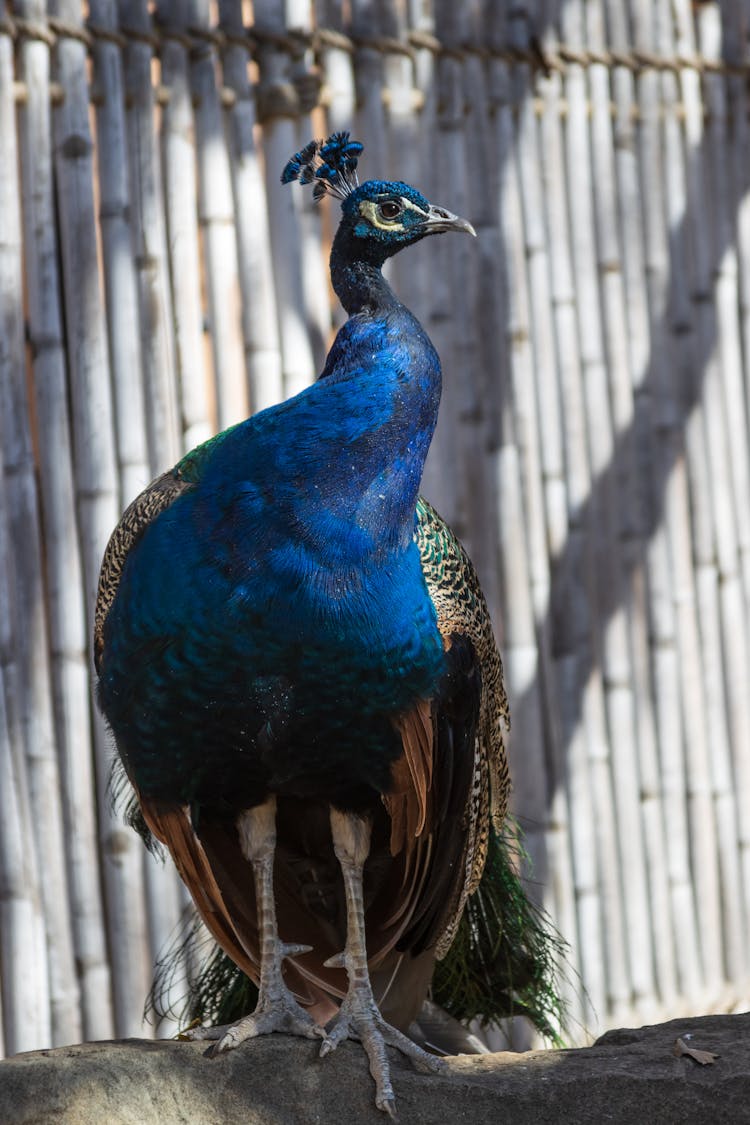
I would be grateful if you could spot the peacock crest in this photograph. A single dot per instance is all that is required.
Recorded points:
(330, 165)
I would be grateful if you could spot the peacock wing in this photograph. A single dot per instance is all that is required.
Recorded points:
(149, 504)
(447, 804)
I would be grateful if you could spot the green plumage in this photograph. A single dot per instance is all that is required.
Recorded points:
(506, 955)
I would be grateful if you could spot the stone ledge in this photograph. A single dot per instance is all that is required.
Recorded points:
(628, 1076)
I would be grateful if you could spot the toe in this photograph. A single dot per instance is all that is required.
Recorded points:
(203, 1034)
(387, 1104)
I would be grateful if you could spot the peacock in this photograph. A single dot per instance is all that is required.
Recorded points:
(298, 668)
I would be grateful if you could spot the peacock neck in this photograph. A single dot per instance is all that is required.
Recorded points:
(357, 277)
(343, 459)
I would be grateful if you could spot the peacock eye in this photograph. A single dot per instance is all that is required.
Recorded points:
(390, 209)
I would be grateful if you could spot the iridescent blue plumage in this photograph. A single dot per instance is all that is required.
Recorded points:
(327, 594)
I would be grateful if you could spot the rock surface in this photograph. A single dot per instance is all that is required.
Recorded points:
(626, 1077)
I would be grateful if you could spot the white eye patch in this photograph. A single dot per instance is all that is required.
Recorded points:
(370, 211)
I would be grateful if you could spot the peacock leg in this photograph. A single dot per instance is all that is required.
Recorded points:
(359, 1017)
(277, 1009)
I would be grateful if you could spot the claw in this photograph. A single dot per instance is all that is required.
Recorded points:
(388, 1105)
(197, 1034)
(293, 950)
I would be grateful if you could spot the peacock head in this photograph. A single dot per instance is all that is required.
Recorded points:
(379, 217)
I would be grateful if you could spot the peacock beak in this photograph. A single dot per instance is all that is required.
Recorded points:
(439, 220)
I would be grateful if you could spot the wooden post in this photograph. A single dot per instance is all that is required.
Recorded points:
(216, 211)
(278, 100)
(63, 574)
(28, 728)
(96, 484)
(31, 980)
(259, 317)
(123, 322)
(181, 206)
(148, 230)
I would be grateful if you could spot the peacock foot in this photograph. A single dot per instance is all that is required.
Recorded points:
(285, 1016)
(360, 1019)
(276, 1010)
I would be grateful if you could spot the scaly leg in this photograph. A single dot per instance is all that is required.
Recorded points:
(359, 1017)
(277, 1009)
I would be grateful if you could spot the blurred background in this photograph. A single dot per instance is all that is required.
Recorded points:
(157, 283)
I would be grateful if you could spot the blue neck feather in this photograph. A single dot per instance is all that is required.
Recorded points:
(345, 456)
(356, 272)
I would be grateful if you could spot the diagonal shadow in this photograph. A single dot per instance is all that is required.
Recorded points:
(684, 336)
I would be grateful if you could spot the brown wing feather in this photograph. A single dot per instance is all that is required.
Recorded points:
(462, 612)
(408, 802)
(135, 519)
(220, 882)
(172, 827)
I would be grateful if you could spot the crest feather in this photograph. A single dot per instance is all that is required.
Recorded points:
(330, 165)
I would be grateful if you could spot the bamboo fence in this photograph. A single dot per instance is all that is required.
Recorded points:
(157, 283)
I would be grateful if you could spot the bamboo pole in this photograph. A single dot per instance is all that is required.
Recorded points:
(335, 53)
(437, 481)
(124, 333)
(95, 479)
(260, 327)
(566, 364)
(27, 672)
(737, 52)
(181, 207)
(598, 643)
(62, 569)
(216, 216)
(28, 974)
(480, 430)
(618, 518)
(298, 16)
(455, 280)
(280, 140)
(533, 676)
(335, 56)
(670, 729)
(633, 544)
(546, 804)
(148, 229)
(124, 328)
(121, 295)
(541, 317)
(740, 152)
(23, 960)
